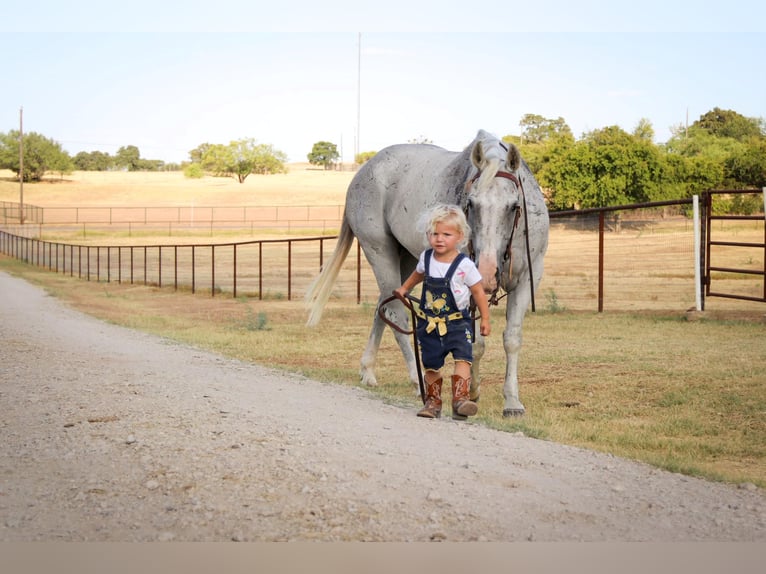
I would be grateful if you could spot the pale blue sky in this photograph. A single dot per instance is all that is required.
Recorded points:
(168, 76)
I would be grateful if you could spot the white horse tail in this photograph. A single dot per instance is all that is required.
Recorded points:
(320, 290)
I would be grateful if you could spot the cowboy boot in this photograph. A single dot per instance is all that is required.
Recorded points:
(462, 405)
(433, 406)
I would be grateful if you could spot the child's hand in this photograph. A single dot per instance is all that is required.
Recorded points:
(485, 328)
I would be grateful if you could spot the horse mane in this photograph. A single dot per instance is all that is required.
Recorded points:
(488, 172)
(488, 155)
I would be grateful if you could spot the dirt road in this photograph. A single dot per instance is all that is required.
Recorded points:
(108, 434)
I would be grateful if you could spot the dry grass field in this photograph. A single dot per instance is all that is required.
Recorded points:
(648, 264)
(641, 380)
(302, 185)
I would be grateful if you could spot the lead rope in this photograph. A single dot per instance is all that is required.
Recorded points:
(529, 255)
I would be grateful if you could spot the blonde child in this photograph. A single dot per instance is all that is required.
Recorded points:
(449, 280)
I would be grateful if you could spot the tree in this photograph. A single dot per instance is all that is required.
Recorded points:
(323, 153)
(128, 157)
(268, 160)
(644, 130)
(194, 171)
(537, 129)
(93, 161)
(748, 168)
(198, 152)
(41, 155)
(728, 123)
(727, 140)
(364, 156)
(241, 158)
(607, 167)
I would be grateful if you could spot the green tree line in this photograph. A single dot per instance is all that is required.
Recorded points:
(43, 155)
(609, 166)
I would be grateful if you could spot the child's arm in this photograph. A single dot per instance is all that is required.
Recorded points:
(409, 284)
(480, 298)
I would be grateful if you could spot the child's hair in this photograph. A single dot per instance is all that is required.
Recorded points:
(449, 214)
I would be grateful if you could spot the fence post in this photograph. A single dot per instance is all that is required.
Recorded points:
(763, 190)
(234, 288)
(289, 269)
(600, 261)
(697, 251)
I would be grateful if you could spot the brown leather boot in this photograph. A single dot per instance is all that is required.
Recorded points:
(433, 407)
(462, 405)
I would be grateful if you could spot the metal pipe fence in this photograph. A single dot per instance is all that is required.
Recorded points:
(638, 257)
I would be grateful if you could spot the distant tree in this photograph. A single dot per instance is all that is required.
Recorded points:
(728, 123)
(93, 161)
(363, 157)
(128, 157)
(41, 155)
(268, 160)
(323, 153)
(194, 171)
(739, 155)
(241, 158)
(644, 130)
(538, 129)
(537, 154)
(748, 168)
(607, 167)
(150, 165)
(198, 152)
(62, 164)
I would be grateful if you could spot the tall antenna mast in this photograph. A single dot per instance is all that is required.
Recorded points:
(358, 94)
(21, 165)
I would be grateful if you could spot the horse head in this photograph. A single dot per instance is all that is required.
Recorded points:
(492, 203)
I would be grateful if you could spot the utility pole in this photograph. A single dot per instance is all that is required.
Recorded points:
(21, 165)
(358, 94)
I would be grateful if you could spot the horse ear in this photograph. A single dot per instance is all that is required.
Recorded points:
(514, 157)
(477, 155)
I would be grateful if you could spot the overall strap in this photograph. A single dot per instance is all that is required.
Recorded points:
(452, 268)
(427, 260)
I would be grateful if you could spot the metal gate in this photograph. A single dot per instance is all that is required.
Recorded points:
(723, 240)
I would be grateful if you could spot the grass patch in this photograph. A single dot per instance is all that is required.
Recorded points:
(686, 396)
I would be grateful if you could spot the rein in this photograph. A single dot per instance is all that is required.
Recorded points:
(494, 299)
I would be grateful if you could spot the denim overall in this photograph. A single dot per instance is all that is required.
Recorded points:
(442, 327)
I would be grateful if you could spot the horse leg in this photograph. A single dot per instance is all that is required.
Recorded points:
(386, 263)
(367, 363)
(518, 302)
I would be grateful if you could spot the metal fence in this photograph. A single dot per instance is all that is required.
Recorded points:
(620, 258)
(174, 220)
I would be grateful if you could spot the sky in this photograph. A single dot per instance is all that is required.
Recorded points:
(169, 76)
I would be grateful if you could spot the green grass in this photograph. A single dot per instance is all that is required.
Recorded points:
(686, 396)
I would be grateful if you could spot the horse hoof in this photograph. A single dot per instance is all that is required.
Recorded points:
(513, 413)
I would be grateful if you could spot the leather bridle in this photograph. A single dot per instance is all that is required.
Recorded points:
(494, 299)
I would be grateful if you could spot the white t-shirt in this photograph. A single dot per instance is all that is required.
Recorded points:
(466, 275)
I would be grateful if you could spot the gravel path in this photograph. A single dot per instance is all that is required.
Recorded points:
(109, 434)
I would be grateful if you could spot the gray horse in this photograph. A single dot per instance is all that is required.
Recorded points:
(504, 206)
